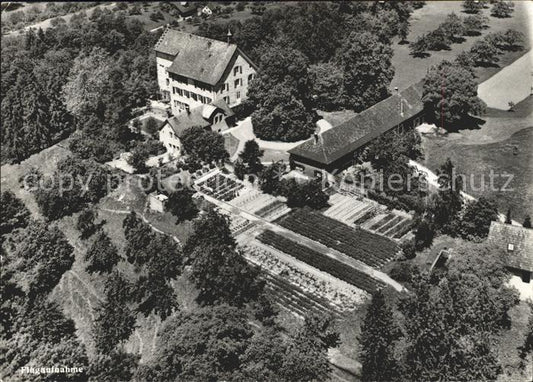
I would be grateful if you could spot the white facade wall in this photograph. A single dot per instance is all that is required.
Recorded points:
(162, 74)
(233, 88)
(234, 95)
(178, 101)
(170, 140)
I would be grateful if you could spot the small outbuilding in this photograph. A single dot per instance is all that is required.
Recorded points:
(517, 242)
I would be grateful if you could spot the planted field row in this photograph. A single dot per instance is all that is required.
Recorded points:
(370, 248)
(381, 222)
(367, 215)
(390, 224)
(293, 298)
(401, 229)
(320, 261)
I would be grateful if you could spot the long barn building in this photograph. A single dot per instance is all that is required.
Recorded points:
(335, 150)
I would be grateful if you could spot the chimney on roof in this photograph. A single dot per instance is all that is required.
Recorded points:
(229, 35)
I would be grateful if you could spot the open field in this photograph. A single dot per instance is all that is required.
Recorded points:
(409, 69)
(502, 144)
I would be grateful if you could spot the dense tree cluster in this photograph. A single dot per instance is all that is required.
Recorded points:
(87, 74)
(159, 260)
(298, 58)
(450, 95)
(74, 184)
(14, 213)
(102, 255)
(34, 329)
(461, 312)
(218, 343)
(204, 144)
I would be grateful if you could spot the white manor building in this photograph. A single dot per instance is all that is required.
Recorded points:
(194, 71)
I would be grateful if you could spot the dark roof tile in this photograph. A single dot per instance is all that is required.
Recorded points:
(200, 58)
(362, 128)
(501, 235)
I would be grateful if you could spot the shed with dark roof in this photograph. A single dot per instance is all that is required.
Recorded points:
(334, 149)
(517, 242)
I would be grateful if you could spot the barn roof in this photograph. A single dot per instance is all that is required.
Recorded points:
(521, 239)
(200, 58)
(362, 128)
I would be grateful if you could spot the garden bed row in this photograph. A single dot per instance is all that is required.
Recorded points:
(365, 246)
(322, 262)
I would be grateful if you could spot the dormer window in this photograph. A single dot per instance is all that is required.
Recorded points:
(510, 247)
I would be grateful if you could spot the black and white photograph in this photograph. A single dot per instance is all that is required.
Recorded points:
(266, 191)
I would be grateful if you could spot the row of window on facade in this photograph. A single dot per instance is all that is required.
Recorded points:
(191, 95)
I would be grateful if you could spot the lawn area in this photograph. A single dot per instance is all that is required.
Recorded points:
(502, 144)
(230, 143)
(411, 69)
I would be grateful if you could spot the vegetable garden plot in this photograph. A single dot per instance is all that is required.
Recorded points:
(320, 261)
(365, 246)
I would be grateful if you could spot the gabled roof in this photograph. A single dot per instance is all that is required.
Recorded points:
(521, 256)
(200, 58)
(198, 116)
(183, 121)
(364, 127)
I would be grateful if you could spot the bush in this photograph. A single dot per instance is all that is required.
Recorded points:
(243, 110)
(241, 6)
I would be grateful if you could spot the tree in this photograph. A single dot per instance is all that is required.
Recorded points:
(304, 194)
(87, 83)
(484, 53)
(74, 184)
(450, 94)
(326, 79)
(38, 255)
(477, 217)
(154, 293)
(14, 213)
(466, 60)
(513, 39)
(448, 202)
(211, 227)
(363, 88)
(403, 31)
(474, 24)
(138, 159)
(270, 178)
(85, 223)
(222, 275)
(206, 145)
(115, 366)
(419, 47)
(102, 255)
(379, 335)
(114, 320)
(239, 169)
(508, 217)
(527, 222)
(306, 356)
(181, 204)
(438, 39)
(472, 6)
(453, 25)
(251, 156)
(502, 9)
(424, 233)
(206, 345)
(281, 93)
